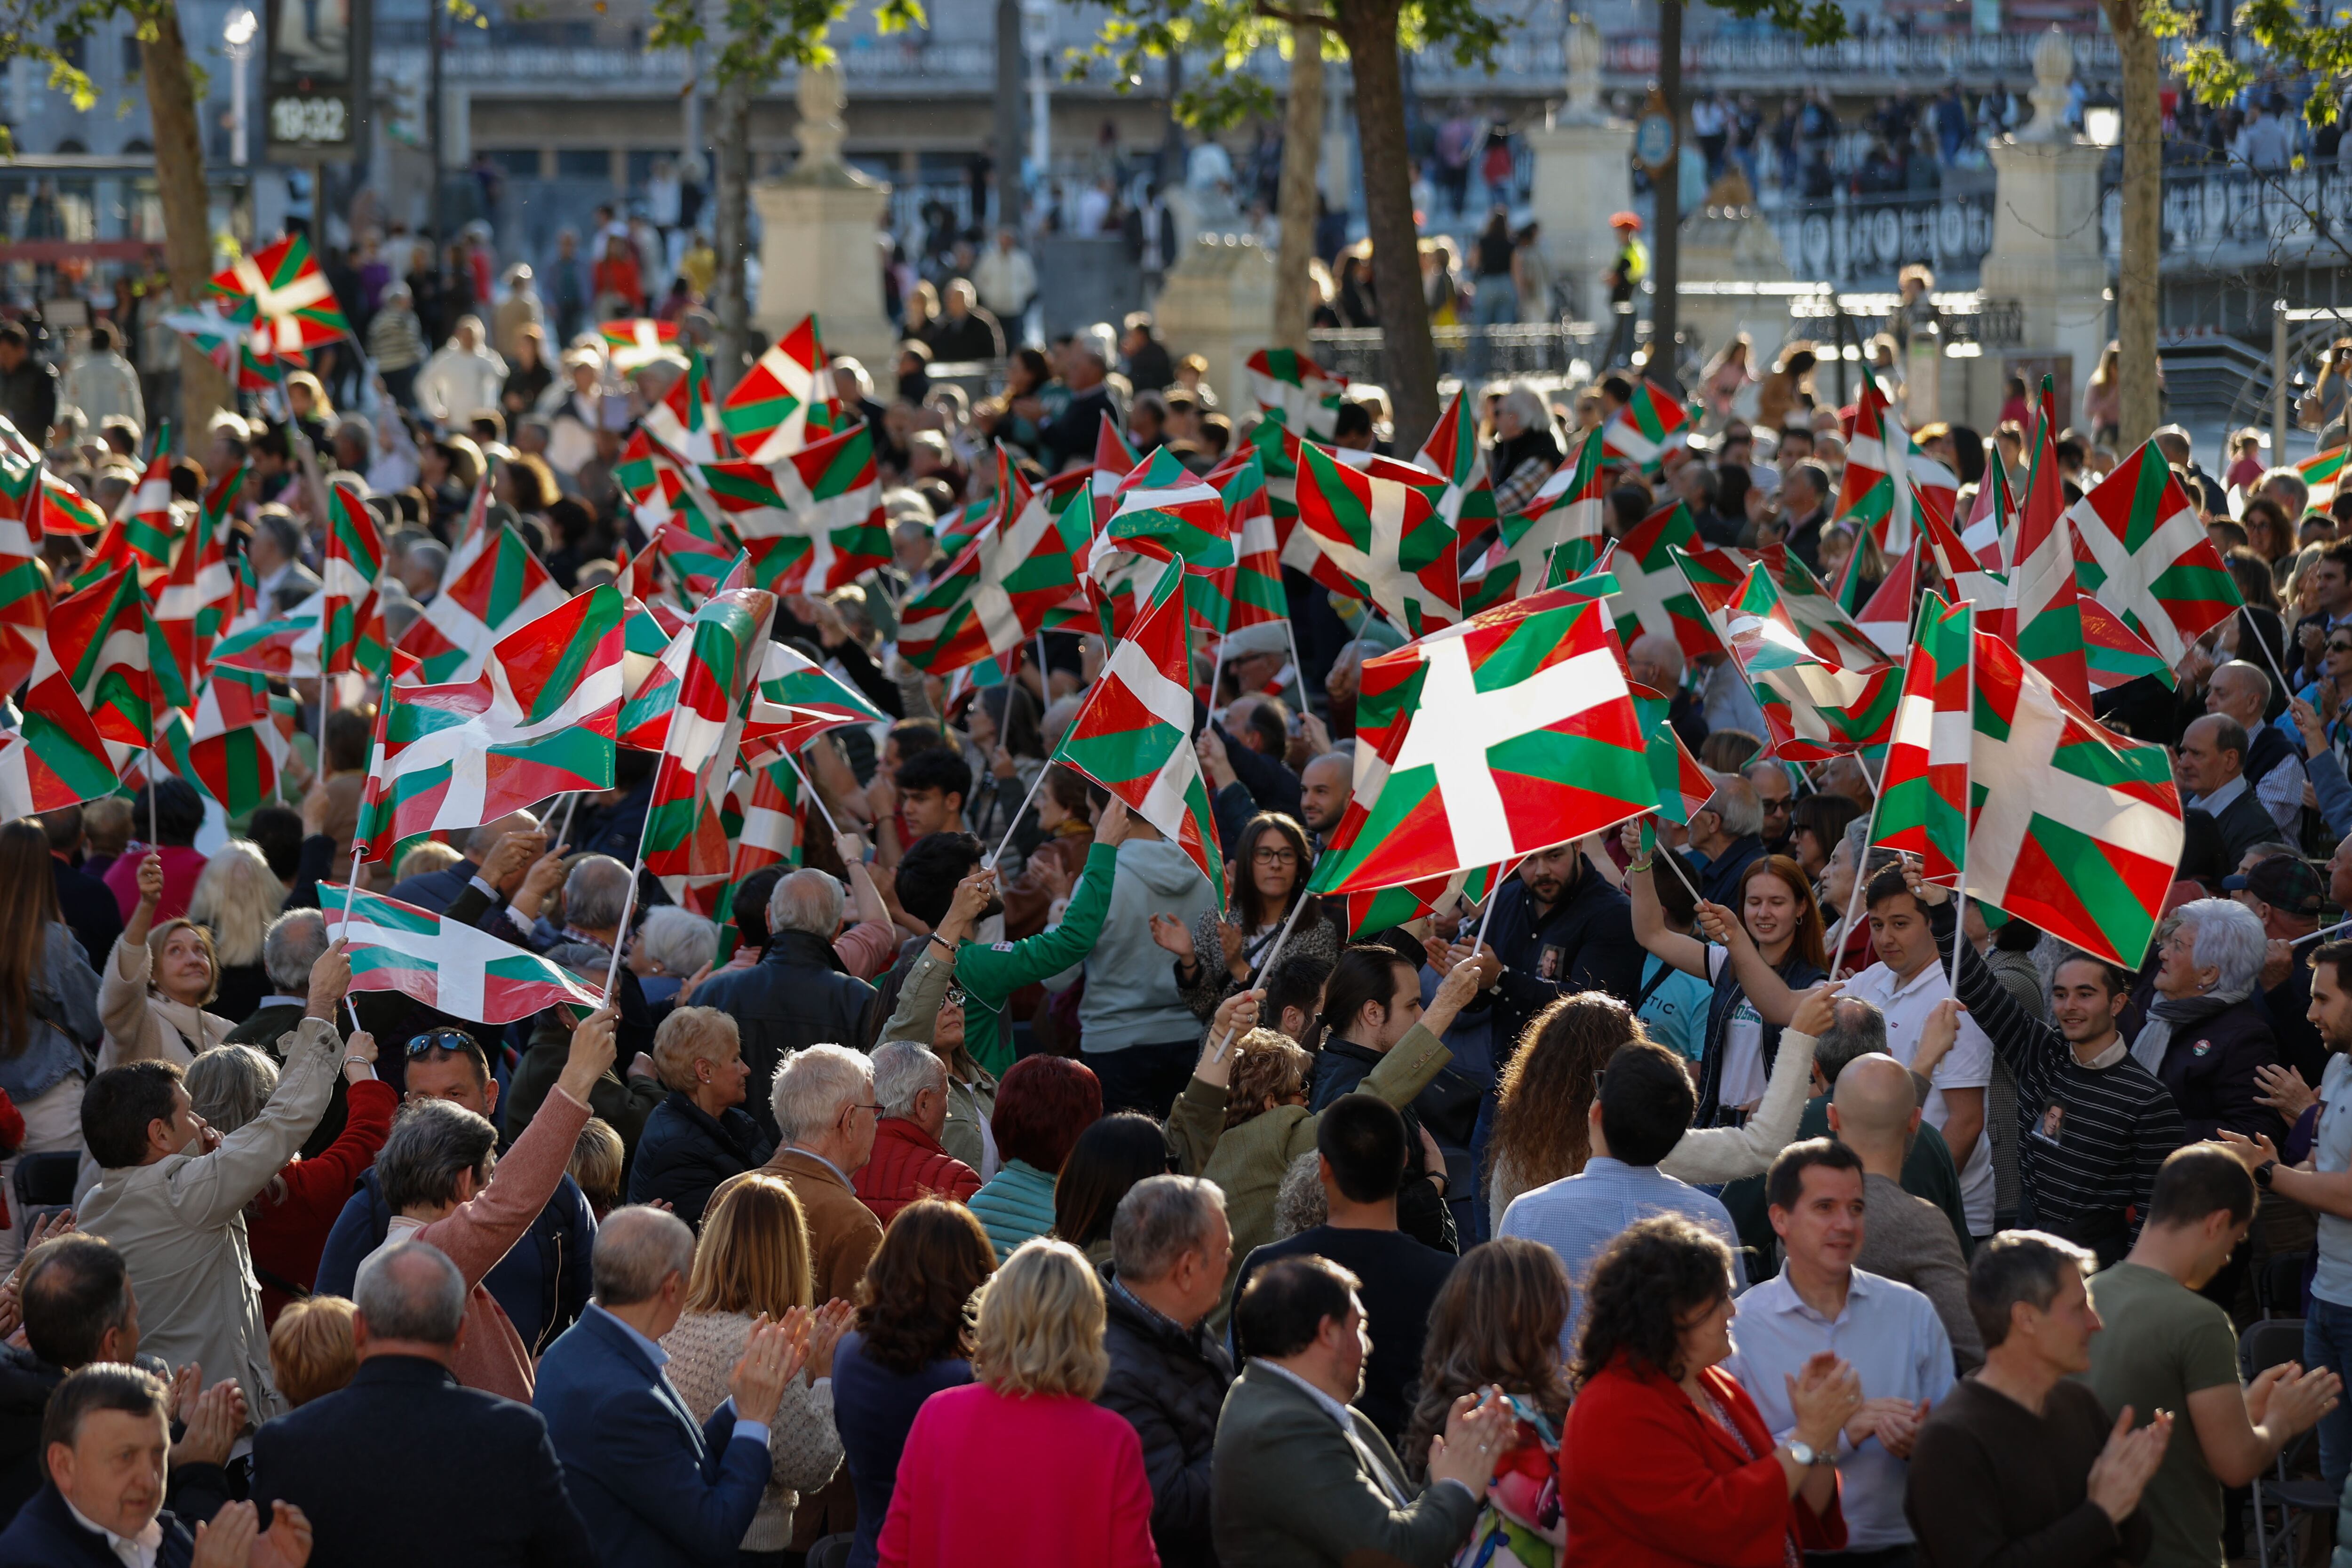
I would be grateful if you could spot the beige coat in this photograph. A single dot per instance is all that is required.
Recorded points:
(180, 1225)
(142, 1025)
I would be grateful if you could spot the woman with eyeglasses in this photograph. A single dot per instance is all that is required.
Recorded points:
(1266, 878)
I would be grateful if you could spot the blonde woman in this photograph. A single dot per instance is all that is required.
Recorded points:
(1021, 1465)
(700, 1135)
(753, 1263)
(236, 899)
(157, 984)
(311, 1352)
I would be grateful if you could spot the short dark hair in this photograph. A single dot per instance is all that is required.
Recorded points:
(1646, 1103)
(179, 811)
(1269, 721)
(1350, 419)
(118, 1107)
(939, 769)
(1675, 895)
(1889, 884)
(1784, 1183)
(1618, 387)
(1362, 1137)
(104, 1385)
(75, 1289)
(2196, 1181)
(929, 870)
(2336, 955)
(1296, 981)
(276, 832)
(750, 911)
(2018, 1265)
(350, 732)
(2116, 980)
(1283, 1310)
(2341, 553)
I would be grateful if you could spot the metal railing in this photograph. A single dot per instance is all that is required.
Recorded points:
(1545, 348)
(1778, 57)
(2227, 214)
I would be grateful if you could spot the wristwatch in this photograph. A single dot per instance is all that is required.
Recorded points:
(1807, 1454)
(2263, 1172)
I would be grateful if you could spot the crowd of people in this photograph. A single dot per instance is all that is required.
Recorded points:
(988, 1190)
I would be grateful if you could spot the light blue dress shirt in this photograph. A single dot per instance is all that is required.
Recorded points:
(1891, 1336)
(1578, 1215)
(757, 1431)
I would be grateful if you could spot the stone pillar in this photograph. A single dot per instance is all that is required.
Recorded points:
(1726, 240)
(1582, 176)
(1218, 302)
(820, 236)
(2046, 253)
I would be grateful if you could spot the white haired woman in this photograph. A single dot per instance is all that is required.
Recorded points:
(1524, 454)
(2206, 1034)
(700, 1135)
(1026, 1427)
(672, 946)
(236, 899)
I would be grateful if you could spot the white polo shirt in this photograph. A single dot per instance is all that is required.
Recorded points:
(1968, 1065)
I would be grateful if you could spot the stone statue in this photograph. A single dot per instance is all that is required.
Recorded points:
(820, 100)
(1583, 47)
(2054, 70)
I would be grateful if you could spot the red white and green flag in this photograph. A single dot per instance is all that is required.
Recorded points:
(449, 966)
(285, 645)
(1134, 734)
(1827, 627)
(1163, 504)
(686, 418)
(1252, 588)
(1379, 536)
(811, 520)
(1558, 539)
(636, 343)
(538, 722)
(2076, 829)
(1295, 391)
(685, 841)
(999, 593)
(1924, 799)
(177, 653)
(233, 745)
(2323, 473)
(1815, 709)
(1886, 620)
(504, 589)
(149, 524)
(1683, 786)
(57, 757)
(97, 640)
(2149, 557)
(1114, 460)
(796, 700)
(786, 400)
(354, 560)
(1652, 595)
(1452, 450)
(24, 588)
(1888, 480)
(280, 288)
(216, 573)
(64, 509)
(1645, 429)
(772, 826)
(1519, 733)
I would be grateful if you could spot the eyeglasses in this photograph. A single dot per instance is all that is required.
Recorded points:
(441, 1040)
(1274, 855)
(2339, 647)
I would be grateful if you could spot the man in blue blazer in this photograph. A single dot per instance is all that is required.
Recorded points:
(656, 1488)
(356, 1459)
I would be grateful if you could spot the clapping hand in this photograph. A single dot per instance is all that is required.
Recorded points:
(210, 1424)
(1173, 935)
(2125, 1465)
(2283, 1091)
(1477, 1430)
(235, 1538)
(772, 1357)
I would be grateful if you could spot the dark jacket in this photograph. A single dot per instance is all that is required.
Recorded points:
(655, 1487)
(684, 1153)
(26, 1383)
(2209, 1068)
(1168, 1385)
(1340, 1068)
(87, 910)
(1720, 882)
(543, 1281)
(976, 336)
(2243, 824)
(795, 996)
(28, 397)
(45, 1536)
(437, 891)
(1584, 943)
(360, 1461)
(1073, 433)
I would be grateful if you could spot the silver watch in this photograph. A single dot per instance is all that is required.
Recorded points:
(1807, 1454)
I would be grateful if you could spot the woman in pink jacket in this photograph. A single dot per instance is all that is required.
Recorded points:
(446, 1186)
(1021, 1466)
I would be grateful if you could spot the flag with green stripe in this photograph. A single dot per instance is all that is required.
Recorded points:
(785, 400)
(1924, 797)
(1645, 429)
(685, 843)
(1379, 536)
(1556, 539)
(1652, 595)
(2151, 561)
(1888, 480)
(1251, 588)
(445, 964)
(502, 590)
(1814, 708)
(1295, 391)
(281, 289)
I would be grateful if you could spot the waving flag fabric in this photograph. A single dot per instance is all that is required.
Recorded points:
(1296, 392)
(1379, 536)
(57, 757)
(1814, 708)
(1887, 478)
(448, 966)
(24, 588)
(64, 509)
(1558, 539)
(786, 401)
(281, 288)
(1647, 428)
(177, 654)
(1134, 734)
(217, 590)
(97, 640)
(1682, 785)
(1653, 594)
(2044, 617)
(150, 526)
(2151, 560)
(1924, 798)
(1251, 589)
(1453, 451)
(686, 420)
(812, 520)
(233, 746)
(2323, 476)
(354, 560)
(1000, 591)
(504, 589)
(796, 700)
(634, 345)
(685, 843)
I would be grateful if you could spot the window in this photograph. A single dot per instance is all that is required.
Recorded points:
(584, 163)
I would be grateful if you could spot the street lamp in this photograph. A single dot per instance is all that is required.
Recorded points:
(237, 33)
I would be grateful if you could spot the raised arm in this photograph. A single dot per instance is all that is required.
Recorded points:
(1650, 929)
(992, 975)
(1711, 1154)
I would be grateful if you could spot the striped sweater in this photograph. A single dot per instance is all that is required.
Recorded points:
(2114, 1124)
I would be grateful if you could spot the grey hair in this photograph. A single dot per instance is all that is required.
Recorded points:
(411, 1290)
(679, 940)
(295, 941)
(431, 550)
(807, 901)
(596, 893)
(1735, 801)
(812, 1085)
(1857, 1028)
(431, 1143)
(283, 530)
(1160, 1219)
(228, 1084)
(903, 1069)
(2227, 937)
(2018, 1266)
(1300, 1204)
(638, 1248)
(1523, 401)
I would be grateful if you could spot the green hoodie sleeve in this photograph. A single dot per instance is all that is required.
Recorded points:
(992, 973)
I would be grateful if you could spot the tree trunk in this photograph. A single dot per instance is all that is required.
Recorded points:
(2137, 278)
(1408, 355)
(187, 220)
(1009, 133)
(730, 228)
(1302, 154)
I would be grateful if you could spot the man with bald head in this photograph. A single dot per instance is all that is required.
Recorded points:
(358, 1461)
(2241, 691)
(1324, 787)
(2211, 766)
(1875, 1112)
(494, 875)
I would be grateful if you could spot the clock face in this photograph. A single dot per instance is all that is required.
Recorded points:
(317, 119)
(1654, 139)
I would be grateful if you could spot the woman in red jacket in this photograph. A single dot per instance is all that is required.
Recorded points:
(1667, 1461)
(286, 1227)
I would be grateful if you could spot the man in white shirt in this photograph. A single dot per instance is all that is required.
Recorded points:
(1905, 983)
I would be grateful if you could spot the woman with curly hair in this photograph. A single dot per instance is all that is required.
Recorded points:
(1497, 1323)
(1672, 1461)
(1215, 957)
(912, 1340)
(1546, 1094)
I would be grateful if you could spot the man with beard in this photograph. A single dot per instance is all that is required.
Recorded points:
(1324, 788)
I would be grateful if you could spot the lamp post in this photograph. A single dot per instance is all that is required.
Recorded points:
(237, 33)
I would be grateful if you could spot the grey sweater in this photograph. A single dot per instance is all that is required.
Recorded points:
(1910, 1240)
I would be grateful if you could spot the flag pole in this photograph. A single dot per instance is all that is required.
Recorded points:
(809, 784)
(571, 809)
(1861, 859)
(1494, 897)
(2322, 931)
(1272, 956)
(1011, 827)
(1960, 890)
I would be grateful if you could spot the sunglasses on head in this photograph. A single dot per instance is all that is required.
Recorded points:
(441, 1040)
